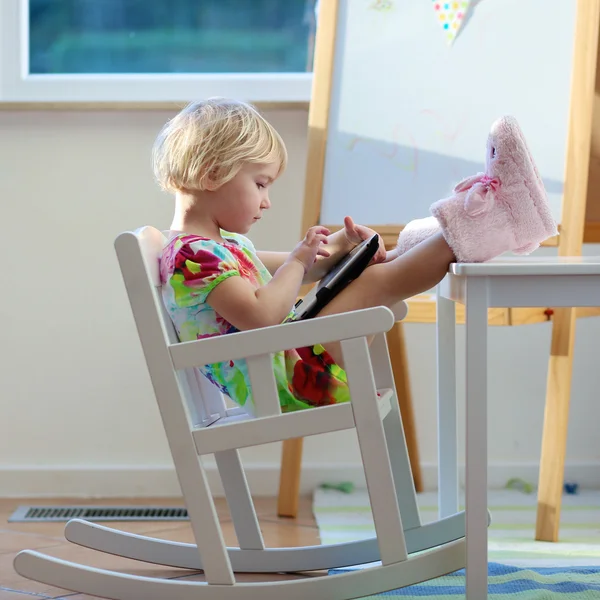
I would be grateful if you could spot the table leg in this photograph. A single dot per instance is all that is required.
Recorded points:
(446, 393)
(476, 324)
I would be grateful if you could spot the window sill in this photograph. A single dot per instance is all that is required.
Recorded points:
(20, 90)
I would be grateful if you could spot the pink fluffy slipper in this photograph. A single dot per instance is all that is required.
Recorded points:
(504, 209)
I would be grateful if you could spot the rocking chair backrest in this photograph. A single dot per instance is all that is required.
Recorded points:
(139, 253)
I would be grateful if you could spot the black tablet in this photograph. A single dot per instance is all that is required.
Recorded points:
(344, 272)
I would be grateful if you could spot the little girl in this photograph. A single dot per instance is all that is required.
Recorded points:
(219, 157)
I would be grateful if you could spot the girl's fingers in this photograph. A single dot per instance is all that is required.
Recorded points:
(319, 239)
(322, 238)
(363, 232)
(319, 230)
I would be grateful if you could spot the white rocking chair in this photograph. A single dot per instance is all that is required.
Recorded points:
(197, 422)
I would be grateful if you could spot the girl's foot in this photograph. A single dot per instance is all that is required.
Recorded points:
(504, 209)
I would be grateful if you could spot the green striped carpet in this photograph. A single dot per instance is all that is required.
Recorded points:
(342, 517)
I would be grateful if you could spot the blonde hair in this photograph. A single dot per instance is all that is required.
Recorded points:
(208, 142)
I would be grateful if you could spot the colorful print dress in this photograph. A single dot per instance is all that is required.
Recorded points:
(191, 267)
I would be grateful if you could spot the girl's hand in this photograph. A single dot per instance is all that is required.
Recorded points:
(355, 234)
(309, 248)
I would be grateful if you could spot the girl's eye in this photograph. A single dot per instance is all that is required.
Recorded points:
(260, 185)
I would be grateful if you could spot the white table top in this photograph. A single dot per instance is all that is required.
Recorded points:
(530, 266)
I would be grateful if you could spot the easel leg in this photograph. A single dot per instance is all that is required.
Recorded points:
(289, 478)
(399, 360)
(556, 420)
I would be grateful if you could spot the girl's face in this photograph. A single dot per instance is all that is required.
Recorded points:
(240, 202)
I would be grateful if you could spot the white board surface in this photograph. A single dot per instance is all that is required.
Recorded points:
(409, 114)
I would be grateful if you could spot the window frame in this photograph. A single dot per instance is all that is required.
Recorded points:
(17, 85)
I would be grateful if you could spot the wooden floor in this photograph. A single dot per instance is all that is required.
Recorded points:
(49, 538)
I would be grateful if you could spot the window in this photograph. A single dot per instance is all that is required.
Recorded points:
(156, 50)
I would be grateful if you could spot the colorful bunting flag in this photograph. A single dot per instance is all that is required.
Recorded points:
(450, 15)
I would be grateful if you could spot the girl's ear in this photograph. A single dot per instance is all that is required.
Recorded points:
(210, 185)
(211, 180)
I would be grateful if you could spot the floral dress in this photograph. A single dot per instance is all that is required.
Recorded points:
(191, 267)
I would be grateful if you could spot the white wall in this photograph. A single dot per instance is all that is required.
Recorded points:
(76, 409)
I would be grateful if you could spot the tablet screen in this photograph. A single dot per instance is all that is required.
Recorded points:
(370, 246)
(346, 270)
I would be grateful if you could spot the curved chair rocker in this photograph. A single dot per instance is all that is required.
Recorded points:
(197, 422)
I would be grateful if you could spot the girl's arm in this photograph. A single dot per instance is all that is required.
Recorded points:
(245, 307)
(337, 246)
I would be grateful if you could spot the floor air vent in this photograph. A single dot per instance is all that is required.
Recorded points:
(98, 513)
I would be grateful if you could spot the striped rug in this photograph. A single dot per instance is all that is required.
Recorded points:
(520, 568)
(510, 583)
(342, 517)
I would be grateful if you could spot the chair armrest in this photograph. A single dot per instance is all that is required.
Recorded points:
(267, 340)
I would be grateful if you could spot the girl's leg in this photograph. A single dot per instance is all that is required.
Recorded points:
(503, 209)
(385, 284)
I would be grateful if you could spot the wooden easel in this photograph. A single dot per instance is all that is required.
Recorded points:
(579, 203)
(318, 116)
(580, 222)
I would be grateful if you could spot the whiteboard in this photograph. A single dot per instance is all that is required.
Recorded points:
(409, 114)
